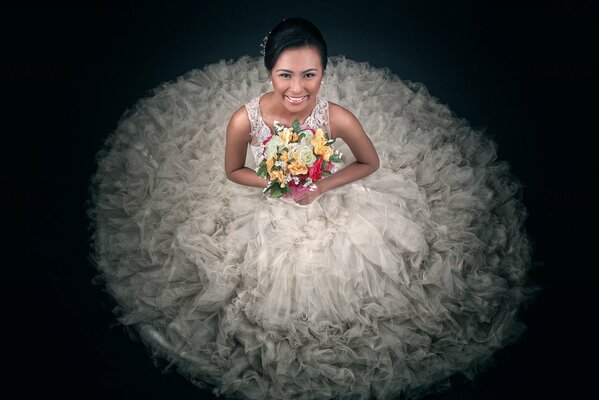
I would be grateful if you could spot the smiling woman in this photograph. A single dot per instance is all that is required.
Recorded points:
(405, 266)
(296, 78)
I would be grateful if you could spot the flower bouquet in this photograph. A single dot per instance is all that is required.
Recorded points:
(294, 159)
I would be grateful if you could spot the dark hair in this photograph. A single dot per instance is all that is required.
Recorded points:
(292, 33)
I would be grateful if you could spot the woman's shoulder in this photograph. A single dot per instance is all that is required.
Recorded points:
(335, 108)
(340, 118)
(240, 120)
(247, 112)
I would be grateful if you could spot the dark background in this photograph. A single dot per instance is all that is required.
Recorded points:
(524, 71)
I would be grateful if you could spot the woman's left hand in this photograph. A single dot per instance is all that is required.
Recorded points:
(308, 197)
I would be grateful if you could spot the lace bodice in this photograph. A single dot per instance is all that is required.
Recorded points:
(319, 118)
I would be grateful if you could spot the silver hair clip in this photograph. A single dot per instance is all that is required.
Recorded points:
(263, 44)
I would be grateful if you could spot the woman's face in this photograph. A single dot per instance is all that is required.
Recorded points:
(296, 78)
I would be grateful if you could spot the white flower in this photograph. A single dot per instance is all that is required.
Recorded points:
(293, 150)
(306, 156)
(308, 136)
(272, 146)
(278, 126)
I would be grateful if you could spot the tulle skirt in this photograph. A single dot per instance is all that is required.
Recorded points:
(388, 285)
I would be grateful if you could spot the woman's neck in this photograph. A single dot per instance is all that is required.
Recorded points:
(272, 110)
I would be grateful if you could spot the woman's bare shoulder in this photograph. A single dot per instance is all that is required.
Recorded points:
(341, 119)
(240, 121)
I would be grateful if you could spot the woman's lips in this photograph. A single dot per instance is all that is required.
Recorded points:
(296, 100)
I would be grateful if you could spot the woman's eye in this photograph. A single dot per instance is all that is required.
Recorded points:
(285, 75)
(309, 75)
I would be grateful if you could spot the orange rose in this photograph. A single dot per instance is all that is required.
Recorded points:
(319, 140)
(278, 175)
(270, 162)
(284, 157)
(298, 168)
(324, 151)
(286, 136)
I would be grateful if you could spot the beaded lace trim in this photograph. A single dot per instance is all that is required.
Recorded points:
(319, 118)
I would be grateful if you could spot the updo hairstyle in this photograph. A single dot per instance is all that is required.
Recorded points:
(293, 33)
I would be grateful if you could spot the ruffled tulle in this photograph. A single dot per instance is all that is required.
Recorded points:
(388, 285)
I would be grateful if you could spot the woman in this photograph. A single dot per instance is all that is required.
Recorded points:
(296, 52)
(372, 285)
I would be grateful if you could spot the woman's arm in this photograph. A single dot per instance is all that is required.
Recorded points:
(345, 125)
(238, 137)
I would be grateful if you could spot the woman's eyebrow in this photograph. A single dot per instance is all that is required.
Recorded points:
(287, 70)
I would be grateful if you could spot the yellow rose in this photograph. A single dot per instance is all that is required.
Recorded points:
(319, 139)
(286, 136)
(270, 162)
(278, 175)
(284, 157)
(298, 168)
(325, 152)
(295, 137)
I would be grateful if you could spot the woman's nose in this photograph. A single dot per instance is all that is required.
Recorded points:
(296, 85)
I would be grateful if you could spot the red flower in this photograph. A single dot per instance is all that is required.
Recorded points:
(315, 171)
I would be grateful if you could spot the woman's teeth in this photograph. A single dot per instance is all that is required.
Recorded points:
(297, 99)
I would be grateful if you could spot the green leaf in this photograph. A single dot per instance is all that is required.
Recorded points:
(296, 125)
(262, 169)
(325, 173)
(335, 158)
(276, 191)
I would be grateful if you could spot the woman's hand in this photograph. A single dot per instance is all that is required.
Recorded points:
(308, 197)
(346, 126)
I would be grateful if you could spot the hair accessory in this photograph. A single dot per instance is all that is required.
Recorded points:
(263, 44)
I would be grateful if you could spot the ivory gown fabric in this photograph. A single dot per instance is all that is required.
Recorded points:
(388, 285)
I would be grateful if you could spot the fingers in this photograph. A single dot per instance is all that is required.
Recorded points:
(305, 199)
(301, 200)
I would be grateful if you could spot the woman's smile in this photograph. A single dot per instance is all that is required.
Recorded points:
(296, 100)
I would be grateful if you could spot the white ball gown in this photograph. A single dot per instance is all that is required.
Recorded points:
(386, 286)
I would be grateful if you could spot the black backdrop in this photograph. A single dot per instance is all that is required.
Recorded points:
(524, 71)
